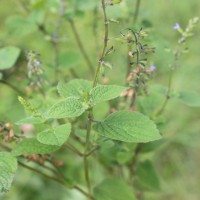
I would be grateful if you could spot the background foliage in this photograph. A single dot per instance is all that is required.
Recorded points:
(176, 160)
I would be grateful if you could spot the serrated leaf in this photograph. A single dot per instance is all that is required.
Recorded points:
(190, 98)
(55, 136)
(32, 146)
(75, 88)
(70, 107)
(8, 166)
(20, 26)
(8, 57)
(105, 93)
(113, 189)
(128, 126)
(147, 177)
(29, 120)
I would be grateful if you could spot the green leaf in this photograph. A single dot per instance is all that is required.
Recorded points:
(147, 177)
(150, 103)
(113, 189)
(190, 98)
(69, 59)
(55, 136)
(8, 57)
(105, 93)
(37, 16)
(8, 166)
(29, 120)
(32, 146)
(75, 88)
(70, 107)
(123, 157)
(128, 126)
(20, 26)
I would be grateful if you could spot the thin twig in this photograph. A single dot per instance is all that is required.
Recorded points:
(136, 13)
(133, 163)
(41, 173)
(62, 182)
(73, 149)
(12, 87)
(81, 46)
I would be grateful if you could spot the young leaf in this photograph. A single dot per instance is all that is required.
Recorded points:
(75, 88)
(147, 176)
(113, 189)
(105, 93)
(8, 166)
(8, 57)
(190, 98)
(55, 136)
(70, 107)
(128, 126)
(31, 146)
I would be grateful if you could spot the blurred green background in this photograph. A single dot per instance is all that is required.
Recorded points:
(178, 160)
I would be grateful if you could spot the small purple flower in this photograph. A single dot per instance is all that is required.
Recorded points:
(176, 26)
(152, 68)
(37, 63)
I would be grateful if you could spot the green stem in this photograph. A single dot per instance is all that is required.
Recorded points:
(22, 6)
(80, 45)
(160, 111)
(170, 81)
(41, 173)
(90, 112)
(86, 167)
(12, 87)
(105, 43)
(61, 181)
(136, 13)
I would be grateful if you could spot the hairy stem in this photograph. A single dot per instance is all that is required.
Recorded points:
(105, 42)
